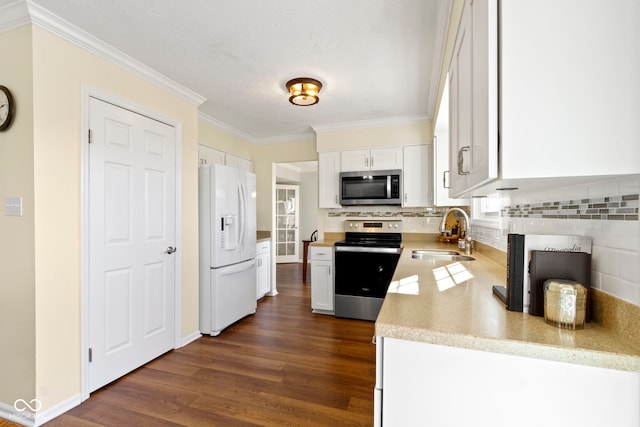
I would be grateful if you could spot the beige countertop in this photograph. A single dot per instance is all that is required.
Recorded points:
(468, 315)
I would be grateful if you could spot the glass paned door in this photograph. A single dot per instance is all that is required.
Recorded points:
(287, 223)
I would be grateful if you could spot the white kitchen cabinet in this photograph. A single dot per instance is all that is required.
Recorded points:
(473, 98)
(568, 99)
(329, 179)
(417, 176)
(209, 156)
(322, 287)
(383, 158)
(263, 268)
(238, 163)
(419, 384)
(442, 174)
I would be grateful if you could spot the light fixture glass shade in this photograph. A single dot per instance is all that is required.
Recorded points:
(304, 91)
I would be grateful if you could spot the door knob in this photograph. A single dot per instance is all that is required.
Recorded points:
(171, 250)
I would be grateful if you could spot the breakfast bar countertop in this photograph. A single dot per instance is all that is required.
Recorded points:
(451, 303)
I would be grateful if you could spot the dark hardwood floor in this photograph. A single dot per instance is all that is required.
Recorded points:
(283, 366)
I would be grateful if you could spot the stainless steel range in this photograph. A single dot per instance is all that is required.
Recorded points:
(364, 265)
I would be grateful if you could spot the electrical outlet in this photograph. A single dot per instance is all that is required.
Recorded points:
(13, 206)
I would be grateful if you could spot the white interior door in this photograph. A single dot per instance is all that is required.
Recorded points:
(287, 217)
(132, 232)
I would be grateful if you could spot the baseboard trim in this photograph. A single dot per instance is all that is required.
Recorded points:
(57, 410)
(191, 338)
(10, 413)
(30, 419)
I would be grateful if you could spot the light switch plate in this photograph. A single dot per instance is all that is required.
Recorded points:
(13, 206)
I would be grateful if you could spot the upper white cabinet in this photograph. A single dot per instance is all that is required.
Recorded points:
(473, 98)
(371, 159)
(329, 179)
(209, 156)
(238, 163)
(442, 173)
(569, 97)
(417, 176)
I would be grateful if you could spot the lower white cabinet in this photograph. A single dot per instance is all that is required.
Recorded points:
(420, 384)
(263, 268)
(322, 291)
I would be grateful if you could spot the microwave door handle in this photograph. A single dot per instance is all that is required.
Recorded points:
(388, 186)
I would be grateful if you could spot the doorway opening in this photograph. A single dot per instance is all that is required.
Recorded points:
(304, 176)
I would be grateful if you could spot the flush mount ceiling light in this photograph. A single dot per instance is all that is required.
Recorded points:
(304, 91)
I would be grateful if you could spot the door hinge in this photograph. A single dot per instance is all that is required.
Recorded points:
(90, 355)
(90, 136)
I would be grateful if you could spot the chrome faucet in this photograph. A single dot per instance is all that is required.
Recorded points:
(467, 236)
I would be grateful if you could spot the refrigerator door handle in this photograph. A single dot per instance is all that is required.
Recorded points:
(243, 214)
(237, 268)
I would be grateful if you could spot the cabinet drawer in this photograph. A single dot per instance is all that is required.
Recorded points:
(321, 253)
(263, 247)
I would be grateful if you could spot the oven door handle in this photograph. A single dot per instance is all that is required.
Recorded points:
(362, 249)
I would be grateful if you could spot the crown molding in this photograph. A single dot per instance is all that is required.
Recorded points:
(363, 124)
(212, 121)
(25, 12)
(14, 15)
(301, 137)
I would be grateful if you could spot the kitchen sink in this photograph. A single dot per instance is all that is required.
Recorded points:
(436, 254)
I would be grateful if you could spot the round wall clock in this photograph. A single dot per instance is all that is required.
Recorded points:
(6, 108)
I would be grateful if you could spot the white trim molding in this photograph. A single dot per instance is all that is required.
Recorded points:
(14, 15)
(190, 338)
(24, 12)
(363, 124)
(37, 418)
(212, 121)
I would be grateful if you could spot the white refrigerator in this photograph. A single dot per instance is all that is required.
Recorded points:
(227, 222)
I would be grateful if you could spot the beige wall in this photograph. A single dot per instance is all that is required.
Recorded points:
(46, 169)
(216, 138)
(17, 274)
(405, 134)
(264, 155)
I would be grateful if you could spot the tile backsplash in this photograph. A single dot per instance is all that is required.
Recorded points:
(414, 220)
(606, 211)
(613, 208)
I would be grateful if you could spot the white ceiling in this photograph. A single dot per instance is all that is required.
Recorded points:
(379, 60)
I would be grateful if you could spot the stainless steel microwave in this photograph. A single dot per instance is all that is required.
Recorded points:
(371, 188)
